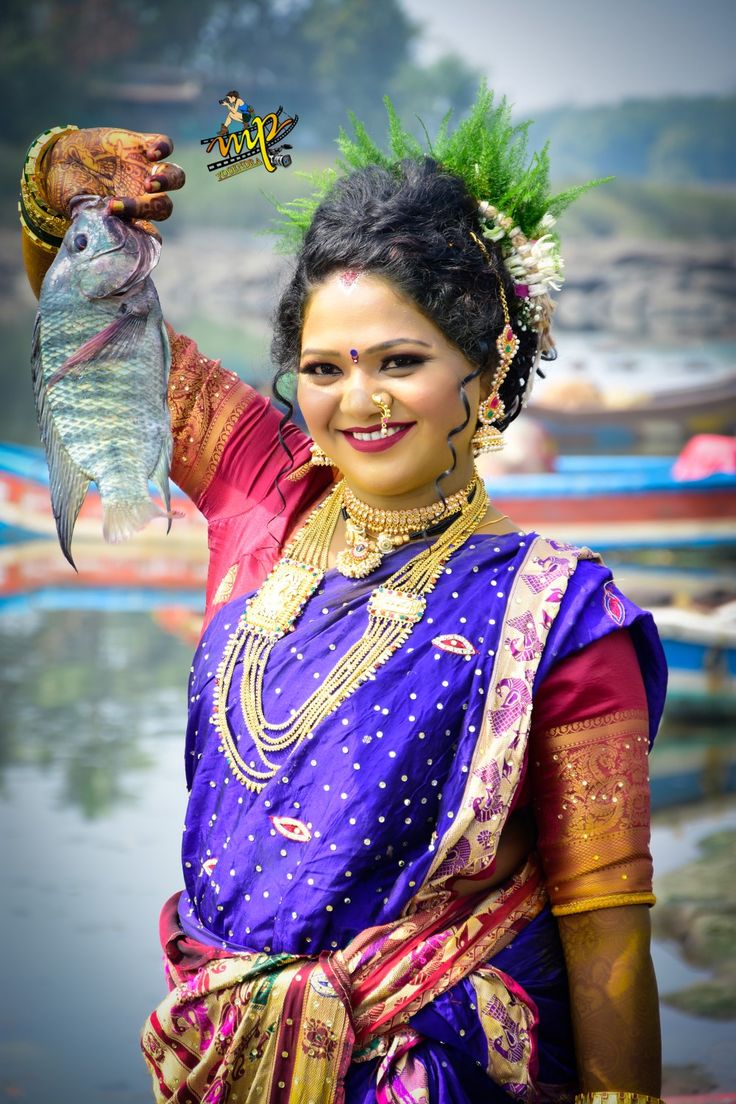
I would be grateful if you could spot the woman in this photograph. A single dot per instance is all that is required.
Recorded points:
(401, 882)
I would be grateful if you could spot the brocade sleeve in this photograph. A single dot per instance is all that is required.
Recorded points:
(205, 403)
(589, 777)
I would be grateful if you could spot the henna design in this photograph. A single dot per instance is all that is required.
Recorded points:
(112, 162)
(613, 998)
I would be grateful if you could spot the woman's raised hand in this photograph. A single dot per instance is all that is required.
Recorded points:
(106, 161)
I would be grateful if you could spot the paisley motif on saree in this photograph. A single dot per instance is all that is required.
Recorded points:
(258, 1027)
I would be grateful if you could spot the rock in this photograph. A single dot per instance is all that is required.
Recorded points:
(696, 907)
(650, 290)
(686, 1079)
(713, 1000)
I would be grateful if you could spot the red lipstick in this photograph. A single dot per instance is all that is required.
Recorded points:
(379, 444)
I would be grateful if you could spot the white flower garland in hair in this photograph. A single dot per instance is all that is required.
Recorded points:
(535, 265)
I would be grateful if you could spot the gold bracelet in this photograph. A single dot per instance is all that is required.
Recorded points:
(45, 226)
(611, 1097)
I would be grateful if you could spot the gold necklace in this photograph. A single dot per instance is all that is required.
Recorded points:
(394, 608)
(371, 532)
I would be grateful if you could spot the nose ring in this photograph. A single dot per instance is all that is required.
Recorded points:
(380, 399)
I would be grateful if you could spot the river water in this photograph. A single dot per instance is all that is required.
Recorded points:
(91, 806)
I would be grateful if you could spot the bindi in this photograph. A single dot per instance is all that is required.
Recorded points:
(348, 277)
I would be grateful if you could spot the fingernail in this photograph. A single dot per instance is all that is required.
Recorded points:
(155, 186)
(116, 207)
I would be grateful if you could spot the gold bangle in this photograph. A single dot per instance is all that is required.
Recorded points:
(608, 900)
(44, 225)
(612, 1097)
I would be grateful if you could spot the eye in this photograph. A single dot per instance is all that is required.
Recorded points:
(319, 370)
(405, 361)
(80, 242)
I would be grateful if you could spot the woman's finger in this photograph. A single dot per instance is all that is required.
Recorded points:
(158, 146)
(142, 224)
(165, 177)
(156, 207)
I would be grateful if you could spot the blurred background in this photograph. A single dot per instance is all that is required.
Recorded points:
(93, 666)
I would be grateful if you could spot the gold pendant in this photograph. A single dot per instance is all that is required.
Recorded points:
(279, 601)
(359, 560)
(397, 605)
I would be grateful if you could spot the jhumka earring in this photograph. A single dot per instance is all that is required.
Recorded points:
(487, 438)
(379, 398)
(318, 459)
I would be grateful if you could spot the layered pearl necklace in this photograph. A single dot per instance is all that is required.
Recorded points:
(394, 608)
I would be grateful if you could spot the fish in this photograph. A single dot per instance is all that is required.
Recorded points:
(100, 364)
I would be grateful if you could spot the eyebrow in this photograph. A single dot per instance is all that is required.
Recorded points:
(372, 349)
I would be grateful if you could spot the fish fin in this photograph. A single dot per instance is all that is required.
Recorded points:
(67, 482)
(160, 476)
(121, 520)
(115, 339)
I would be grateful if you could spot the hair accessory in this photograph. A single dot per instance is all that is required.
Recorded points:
(380, 399)
(318, 459)
(488, 151)
(487, 438)
(354, 355)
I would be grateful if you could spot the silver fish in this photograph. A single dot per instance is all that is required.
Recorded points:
(100, 366)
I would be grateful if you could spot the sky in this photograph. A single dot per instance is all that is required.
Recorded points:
(542, 53)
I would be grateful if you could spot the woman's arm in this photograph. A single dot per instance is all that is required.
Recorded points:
(590, 788)
(613, 998)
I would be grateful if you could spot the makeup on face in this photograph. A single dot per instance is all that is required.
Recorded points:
(374, 342)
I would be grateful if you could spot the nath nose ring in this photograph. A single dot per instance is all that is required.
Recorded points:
(379, 398)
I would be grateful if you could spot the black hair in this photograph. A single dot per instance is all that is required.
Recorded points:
(413, 227)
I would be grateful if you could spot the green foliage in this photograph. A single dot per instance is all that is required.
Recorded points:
(487, 150)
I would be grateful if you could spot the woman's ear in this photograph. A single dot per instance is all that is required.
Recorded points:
(486, 385)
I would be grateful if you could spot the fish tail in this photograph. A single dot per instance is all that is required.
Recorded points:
(121, 520)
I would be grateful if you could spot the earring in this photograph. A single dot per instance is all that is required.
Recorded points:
(318, 459)
(379, 398)
(487, 438)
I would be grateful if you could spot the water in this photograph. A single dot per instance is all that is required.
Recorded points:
(91, 807)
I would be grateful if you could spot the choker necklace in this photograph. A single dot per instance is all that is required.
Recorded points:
(370, 533)
(394, 608)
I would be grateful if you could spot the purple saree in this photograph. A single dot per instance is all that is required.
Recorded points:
(352, 968)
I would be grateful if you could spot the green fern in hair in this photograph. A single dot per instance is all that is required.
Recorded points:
(487, 150)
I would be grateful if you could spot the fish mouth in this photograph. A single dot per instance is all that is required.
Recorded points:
(141, 249)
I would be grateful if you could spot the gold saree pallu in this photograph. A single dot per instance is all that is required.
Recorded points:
(267, 1029)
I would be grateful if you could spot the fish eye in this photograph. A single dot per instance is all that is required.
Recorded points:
(80, 242)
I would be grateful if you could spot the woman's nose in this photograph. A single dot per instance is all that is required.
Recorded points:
(356, 398)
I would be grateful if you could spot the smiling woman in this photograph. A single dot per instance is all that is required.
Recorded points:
(420, 374)
(415, 860)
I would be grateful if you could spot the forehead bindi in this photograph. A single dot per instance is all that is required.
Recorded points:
(349, 278)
